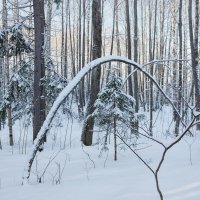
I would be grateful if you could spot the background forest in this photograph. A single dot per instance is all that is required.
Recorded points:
(119, 75)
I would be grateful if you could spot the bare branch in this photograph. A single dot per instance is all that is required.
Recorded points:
(140, 158)
(72, 85)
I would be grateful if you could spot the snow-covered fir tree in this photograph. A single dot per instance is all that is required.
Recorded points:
(13, 41)
(113, 102)
(113, 106)
(18, 93)
(54, 84)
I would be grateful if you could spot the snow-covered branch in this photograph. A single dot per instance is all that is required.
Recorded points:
(71, 86)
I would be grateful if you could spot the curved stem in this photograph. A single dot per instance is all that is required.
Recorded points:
(71, 86)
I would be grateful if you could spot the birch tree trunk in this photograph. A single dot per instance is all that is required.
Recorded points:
(48, 30)
(7, 69)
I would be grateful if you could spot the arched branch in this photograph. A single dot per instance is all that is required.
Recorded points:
(71, 86)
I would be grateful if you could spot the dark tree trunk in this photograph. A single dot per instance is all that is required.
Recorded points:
(81, 56)
(194, 51)
(83, 53)
(130, 85)
(39, 69)
(151, 72)
(136, 89)
(66, 41)
(180, 69)
(87, 132)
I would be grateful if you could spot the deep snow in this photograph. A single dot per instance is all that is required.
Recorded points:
(101, 178)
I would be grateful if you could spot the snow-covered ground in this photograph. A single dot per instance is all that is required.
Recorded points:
(86, 174)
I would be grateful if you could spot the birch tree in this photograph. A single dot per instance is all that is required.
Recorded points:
(7, 69)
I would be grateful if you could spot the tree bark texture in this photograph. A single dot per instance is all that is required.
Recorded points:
(39, 68)
(7, 72)
(136, 89)
(88, 126)
(128, 29)
(179, 102)
(194, 51)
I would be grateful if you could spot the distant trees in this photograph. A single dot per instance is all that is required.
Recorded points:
(72, 85)
(154, 32)
(142, 31)
(13, 45)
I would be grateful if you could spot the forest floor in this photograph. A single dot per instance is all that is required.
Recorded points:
(76, 172)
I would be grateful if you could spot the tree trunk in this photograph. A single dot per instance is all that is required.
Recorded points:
(115, 139)
(118, 36)
(9, 111)
(87, 132)
(179, 102)
(71, 47)
(39, 68)
(62, 39)
(128, 30)
(0, 144)
(66, 41)
(16, 11)
(136, 49)
(112, 37)
(48, 31)
(194, 51)
(151, 72)
(81, 55)
(2, 81)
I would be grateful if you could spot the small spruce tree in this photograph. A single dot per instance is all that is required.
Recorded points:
(18, 94)
(112, 106)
